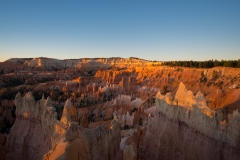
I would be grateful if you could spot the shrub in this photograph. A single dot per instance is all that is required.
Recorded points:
(140, 122)
(214, 74)
(91, 117)
(125, 127)
(203, 78)
(165, 90)
(133, 110)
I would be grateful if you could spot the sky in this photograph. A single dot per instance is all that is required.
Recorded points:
(161, 30)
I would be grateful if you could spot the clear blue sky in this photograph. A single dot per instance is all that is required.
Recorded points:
(154, 30)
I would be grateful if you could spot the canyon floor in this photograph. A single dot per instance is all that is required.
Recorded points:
(117, 109)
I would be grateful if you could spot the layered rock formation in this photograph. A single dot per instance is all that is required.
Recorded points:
(114, 75)
(37, 132)
(193, 110)
(166, 78)
(183, 127)
(115, 108)
(129, 84)
(42, 63)
(88, 144)
(176, 140)
(36, 128)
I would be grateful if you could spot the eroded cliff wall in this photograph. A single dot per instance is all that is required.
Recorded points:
(27, 140)
(30, 136)
(169, 139)
(37, 134)
(183, 127)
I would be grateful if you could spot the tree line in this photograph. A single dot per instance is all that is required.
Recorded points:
(204, 64)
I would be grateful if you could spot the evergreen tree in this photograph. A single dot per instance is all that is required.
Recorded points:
(216, 63)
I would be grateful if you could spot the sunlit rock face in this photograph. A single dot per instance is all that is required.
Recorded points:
(88, 144)
(75, 146)
(37, 134)
(36, 129)
(66, 116)
(183, 127)
(194, 111)
(30, 136)
(113, 109)
(113, 76)
(56, 64)
(126, 79)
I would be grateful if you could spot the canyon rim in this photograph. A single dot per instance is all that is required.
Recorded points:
(118, 108)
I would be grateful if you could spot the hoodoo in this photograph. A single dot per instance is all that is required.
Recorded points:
(119, 109)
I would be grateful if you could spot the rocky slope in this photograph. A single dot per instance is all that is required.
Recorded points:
(183, 127)
(167, 138)
(42, 63)
(193, 110)
(37, 132)
(118, 109)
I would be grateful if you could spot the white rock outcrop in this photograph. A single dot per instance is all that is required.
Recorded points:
(38, 134)
(193, 110)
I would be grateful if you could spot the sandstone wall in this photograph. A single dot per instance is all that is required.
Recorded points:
(169, 139)
(27, 140)
(16, 64)
(37, 134)
(36, 128)
(83, 143)
(184, 127)
(193, 110)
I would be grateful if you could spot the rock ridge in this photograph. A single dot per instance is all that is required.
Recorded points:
(193, 110)
(37, 129)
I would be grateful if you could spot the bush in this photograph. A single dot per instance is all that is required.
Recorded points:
(203, 78)
(91, 117)
(8, 94)
(133, 110)
(214, 74)
(165, 90)
(125, 127)
(140, 122)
